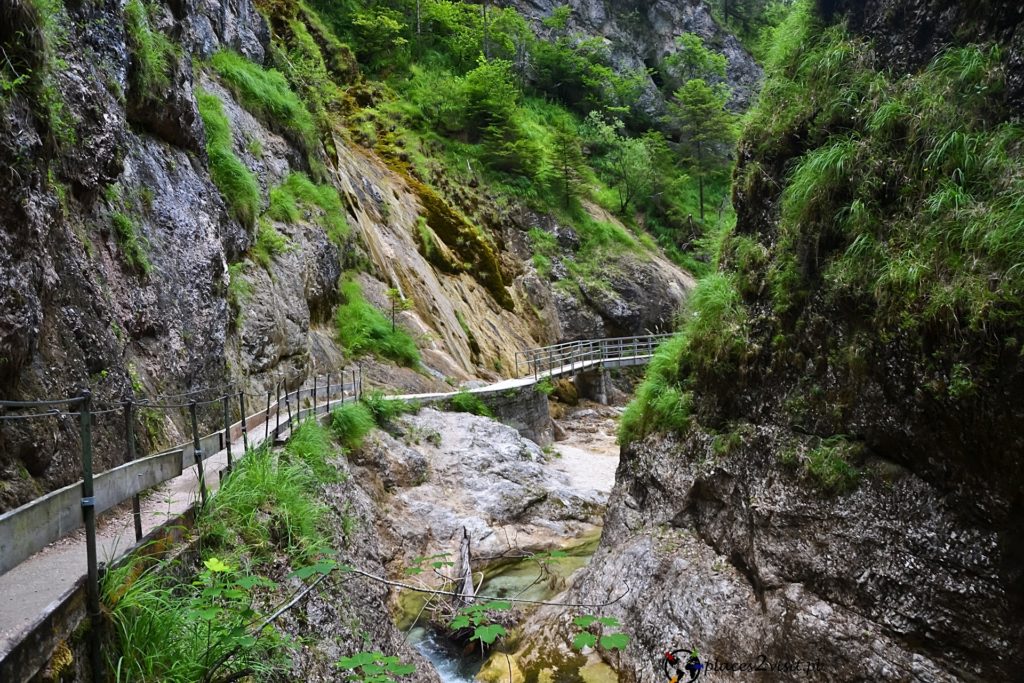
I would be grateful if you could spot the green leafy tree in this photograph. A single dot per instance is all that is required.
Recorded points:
(569, 163)
(625, 162)
(698, 109)
(693, 59)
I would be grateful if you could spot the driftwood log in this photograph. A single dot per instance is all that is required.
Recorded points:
(464, 573)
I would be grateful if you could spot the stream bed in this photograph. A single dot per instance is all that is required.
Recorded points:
(520, 578)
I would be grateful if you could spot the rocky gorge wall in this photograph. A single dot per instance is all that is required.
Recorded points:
(826, 487)
(125, 271)
(641, 34)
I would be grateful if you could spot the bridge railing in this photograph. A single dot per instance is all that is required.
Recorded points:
(570, 357)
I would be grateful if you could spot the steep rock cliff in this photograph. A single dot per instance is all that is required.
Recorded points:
(640, 35)
(125, 271)
(826, 465)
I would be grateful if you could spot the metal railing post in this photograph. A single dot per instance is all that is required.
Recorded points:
(314, 397)
(266, 421)
(89, 518)
(197, 449)
(245, 421)
(328, 393)
(277, 424)
(227, 430)
(129, 435)
(288, 406)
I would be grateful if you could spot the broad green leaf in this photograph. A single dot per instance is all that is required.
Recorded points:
(358, 659)
(216, 565)
(488, 634)
(461, 621)
(585, 621)
(403, 669)
(609, 621)
(413, 571)
(615, 641)
(321, 567)
(584, 639)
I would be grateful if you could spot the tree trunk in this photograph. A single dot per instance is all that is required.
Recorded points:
(700, 178)
(487, 29)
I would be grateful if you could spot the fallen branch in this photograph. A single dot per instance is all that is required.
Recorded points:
(430, 591)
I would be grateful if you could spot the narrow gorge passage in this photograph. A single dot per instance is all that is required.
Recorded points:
(587, 454)
(783, 239)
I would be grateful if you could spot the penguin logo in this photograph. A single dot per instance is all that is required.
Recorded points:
(682, 665)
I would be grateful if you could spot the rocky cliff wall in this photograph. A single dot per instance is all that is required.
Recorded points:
(125, 271)
(827, 466)
(641, 34)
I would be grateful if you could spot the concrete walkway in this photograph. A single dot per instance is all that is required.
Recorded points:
(33, 588)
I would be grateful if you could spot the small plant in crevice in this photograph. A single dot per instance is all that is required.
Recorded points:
(239, 290)
(363, 329)
(236, 182)
(466, 402)
(269, 243)
(131, 244)
(586, 637)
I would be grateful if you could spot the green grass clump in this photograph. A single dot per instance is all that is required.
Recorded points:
(310, 443)
(152, 51)
(350, 423)
(266, 93)
(166, 629)
(829, 464)
(466, 402)
(268, 503)
(130, 243)
(239, 289)
(710, 345)
(236, 183)
(363, 329)
(384, 409)
(297, 190)
(941, 255)
(269, 243)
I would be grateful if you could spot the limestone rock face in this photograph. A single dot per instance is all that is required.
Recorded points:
(450, 471)
(641, 34)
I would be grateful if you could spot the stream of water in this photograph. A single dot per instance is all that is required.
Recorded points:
(521, 578)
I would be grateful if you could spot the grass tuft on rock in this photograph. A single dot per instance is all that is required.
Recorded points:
(298, 190)
(350, 423)
(236, 183)
(266, 94)
(362, 329)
